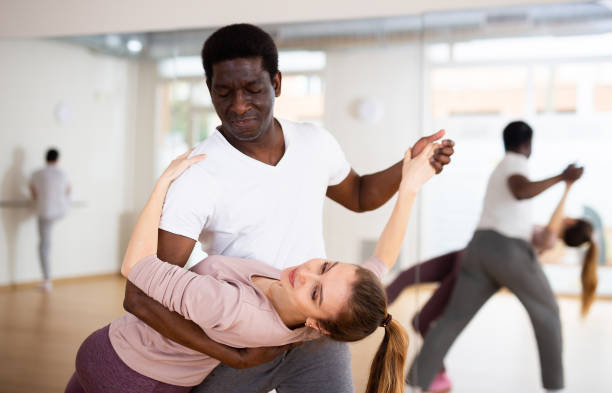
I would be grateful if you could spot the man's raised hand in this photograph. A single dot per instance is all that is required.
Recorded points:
(442, 153)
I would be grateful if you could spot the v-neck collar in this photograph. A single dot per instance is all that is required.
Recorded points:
(252, 161)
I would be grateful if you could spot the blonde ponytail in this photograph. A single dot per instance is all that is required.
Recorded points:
(387, 370)
(588, 278)
(366, 311)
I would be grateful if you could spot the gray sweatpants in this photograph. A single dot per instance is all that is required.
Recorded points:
(321, 366)
(44, 246)
(492, 261)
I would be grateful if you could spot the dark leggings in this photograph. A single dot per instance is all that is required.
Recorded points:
(443, 269)
(100, 370)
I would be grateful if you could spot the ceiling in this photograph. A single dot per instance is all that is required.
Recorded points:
(566, 18)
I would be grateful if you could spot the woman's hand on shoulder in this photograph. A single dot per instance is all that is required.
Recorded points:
(418, 170)
(179, 165)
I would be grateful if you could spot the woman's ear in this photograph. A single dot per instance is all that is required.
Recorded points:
(314, 324)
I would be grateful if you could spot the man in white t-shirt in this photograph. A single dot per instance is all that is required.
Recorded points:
(50, 190)
(260, 195)
(500, 254)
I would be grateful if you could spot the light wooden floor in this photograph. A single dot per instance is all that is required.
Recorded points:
(40, 334)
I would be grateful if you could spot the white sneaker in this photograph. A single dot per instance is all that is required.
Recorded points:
(46, 286)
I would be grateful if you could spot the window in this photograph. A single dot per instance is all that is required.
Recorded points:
(186, 117)
(460, 91)
(602, 91)
(302, 98)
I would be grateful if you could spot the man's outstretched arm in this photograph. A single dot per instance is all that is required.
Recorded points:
(176, 249)
(523, 188)
(369, 192)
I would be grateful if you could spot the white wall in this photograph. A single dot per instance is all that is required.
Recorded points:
(390, 75)
(35, 18)
(98, 151)
(108, 149)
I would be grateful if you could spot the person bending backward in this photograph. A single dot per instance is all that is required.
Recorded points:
(260, 196)
(245, 302)
(500, 254)
(574, 232)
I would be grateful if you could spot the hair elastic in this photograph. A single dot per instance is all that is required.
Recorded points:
(386, 321)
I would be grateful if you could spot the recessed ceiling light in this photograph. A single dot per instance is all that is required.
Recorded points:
(134, 45)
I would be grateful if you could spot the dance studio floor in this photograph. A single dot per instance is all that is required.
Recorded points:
(40, 333)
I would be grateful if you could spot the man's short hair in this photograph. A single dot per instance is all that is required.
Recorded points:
(239, 41)
(516, 134)
(52, 155)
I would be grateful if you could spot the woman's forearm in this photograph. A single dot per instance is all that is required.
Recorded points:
(390, 241)
(554, 225)
(143, 241)
(415, 172)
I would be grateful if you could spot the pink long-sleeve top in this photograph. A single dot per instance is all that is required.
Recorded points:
(217, 294)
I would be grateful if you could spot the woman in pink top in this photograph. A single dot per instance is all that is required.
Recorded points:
(248, 304)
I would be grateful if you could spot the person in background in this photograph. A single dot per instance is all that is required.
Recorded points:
(573, 232)
(51, 191)
(500, 255)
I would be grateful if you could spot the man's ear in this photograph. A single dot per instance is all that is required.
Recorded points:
(276, 83)
(314, 324)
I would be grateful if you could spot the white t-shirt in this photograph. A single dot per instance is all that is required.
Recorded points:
(238, 206)
(501, 211)
(51, 185)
